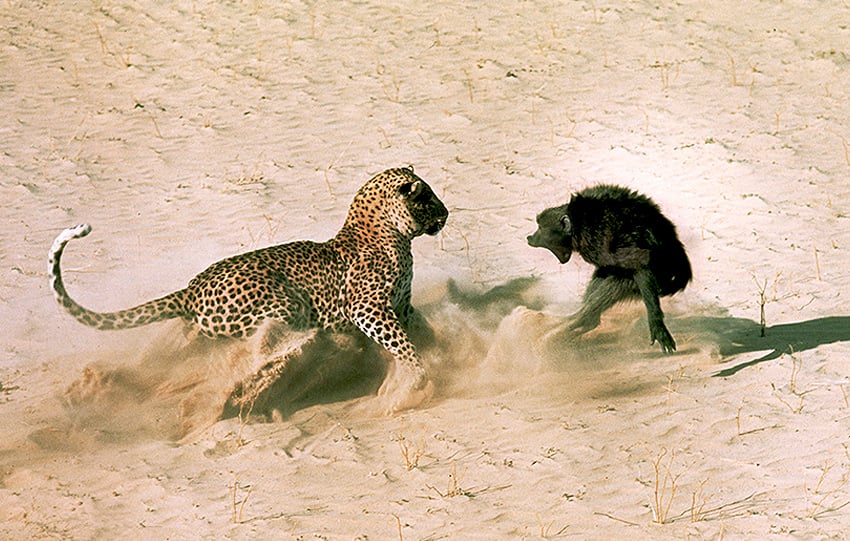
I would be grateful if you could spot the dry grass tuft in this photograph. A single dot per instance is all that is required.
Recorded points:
(664, 487)
(698, 502)
(237, 506)
(120, 57)
(411, 454)
(826, 500)
(453, 487)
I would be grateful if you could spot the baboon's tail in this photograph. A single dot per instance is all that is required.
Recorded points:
(167, 307)
(674, 272)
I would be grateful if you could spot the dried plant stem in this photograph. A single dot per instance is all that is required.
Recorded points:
(732, 69)
(762, 301)
(793, 410)
(665, 487)
(595, 12)
(453, 486)
(844, 144)
(698, 502)
(122, 59)
(738, 418)
(398, 524)
(796, 366)
(334, 162)
(392, 91)
(818, 506)
(411, 455)
(155, 125)
(469, 86)
(817, 263)
(386, 137)
(237, 507)
(618, 519)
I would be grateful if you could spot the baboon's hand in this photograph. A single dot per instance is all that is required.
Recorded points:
(660, 334)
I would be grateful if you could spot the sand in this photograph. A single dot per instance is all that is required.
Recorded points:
(190, 131)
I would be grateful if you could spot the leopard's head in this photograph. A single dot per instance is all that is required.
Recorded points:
(399, 199)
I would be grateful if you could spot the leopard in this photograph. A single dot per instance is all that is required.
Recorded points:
(359, 280)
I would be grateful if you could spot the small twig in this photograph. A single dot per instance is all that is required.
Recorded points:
(817, 264)
(663, 484)
(732, 506)
(334, 162)
(396, 87)
(844, 144)
(155, 125)
(762, 301)
(386, 137)
(846, 150)
(244, 501)
(796, 366)
(698, 502)
(544, 528)
(410, 455)
(469, 86)
(816, 509)
(618, 519)
(738, 418)
(733, 70)
(595, 12)
(793, 410)
(237, 508)
(453, 486)
(398, 523)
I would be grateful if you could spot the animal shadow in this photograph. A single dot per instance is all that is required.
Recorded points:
(736, 336)
(323, 368)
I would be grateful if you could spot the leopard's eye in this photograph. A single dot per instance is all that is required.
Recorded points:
(405, 188)
(412, 189)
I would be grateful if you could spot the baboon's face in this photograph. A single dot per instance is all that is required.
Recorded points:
(554, 233)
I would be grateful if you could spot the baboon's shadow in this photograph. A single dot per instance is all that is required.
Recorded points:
(736, 336)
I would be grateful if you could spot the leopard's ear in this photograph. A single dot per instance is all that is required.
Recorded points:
(412, 189)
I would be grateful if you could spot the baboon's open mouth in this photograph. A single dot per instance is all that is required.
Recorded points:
(563, 254)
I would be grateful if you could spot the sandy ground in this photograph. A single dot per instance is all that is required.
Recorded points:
(193, 130)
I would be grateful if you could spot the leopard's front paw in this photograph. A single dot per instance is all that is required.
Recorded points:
(406, 387)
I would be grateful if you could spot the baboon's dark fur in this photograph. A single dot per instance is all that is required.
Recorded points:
(634, 247)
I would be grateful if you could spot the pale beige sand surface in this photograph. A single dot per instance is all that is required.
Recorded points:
(188, 131)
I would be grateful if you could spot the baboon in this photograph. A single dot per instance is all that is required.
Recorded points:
(634, 247)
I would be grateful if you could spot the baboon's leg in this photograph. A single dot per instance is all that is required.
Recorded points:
(649, 290)
(603, 292)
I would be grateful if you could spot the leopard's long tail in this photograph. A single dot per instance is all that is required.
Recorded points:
(167, 307)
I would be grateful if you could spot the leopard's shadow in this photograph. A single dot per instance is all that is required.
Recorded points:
(739, 336)
(329, 368)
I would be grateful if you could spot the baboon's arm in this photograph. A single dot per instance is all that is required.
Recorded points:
(649, 291)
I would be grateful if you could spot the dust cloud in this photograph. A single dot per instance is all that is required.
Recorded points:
(167, 384)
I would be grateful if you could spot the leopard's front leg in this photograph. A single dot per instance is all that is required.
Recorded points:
(381, 324)
(370, 309)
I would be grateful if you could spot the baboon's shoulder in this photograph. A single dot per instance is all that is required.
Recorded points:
(613, 196)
